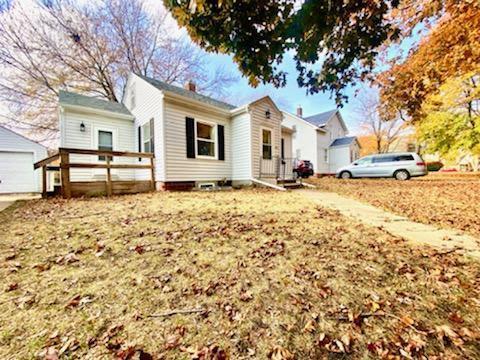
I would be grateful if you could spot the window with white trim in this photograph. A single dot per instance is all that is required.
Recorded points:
(325, 155)
(266, 144)
(147, 137)
(105, 142)
(205, 139)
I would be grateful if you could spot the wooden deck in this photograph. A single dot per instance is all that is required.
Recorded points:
(108, 187)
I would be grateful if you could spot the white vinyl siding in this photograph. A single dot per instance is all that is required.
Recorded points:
(71, 137)
(241, 147)
(323, 153)
(148, 105)
(340, 156)
(304, 139)
(180, 168)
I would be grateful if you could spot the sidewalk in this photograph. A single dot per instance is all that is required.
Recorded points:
(401, 226)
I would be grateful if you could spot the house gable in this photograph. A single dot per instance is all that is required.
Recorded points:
(264, 115)
(10, 140)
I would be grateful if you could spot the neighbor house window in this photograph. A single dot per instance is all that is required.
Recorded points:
(105, 142)
(205, 139)
(266, 144)
(147, 137)
(325, 155)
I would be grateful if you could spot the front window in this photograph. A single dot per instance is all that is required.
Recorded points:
(105, 142)
(205, 139)
(147, 136)
(266, 144)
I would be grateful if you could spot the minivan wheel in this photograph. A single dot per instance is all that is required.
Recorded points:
(345, 175)
(402, 175)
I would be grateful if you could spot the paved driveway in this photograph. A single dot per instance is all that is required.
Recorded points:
(7, 200)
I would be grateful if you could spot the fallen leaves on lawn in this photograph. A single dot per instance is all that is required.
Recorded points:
(78, 301)
(280, 353)
(226, 275)
(443, 200)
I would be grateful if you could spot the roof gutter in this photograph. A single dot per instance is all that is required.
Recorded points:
(172, 96)
(239, 110)
(91, 110)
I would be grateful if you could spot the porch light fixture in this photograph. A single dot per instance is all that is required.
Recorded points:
(267, 114)
(82, 127)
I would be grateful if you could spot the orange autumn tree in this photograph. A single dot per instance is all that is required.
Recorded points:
(451, 50)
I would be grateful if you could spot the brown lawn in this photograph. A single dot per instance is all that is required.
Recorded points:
(445, 200)
(245, 274)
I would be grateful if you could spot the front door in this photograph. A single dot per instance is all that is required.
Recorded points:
(267, 163)
(104, 140)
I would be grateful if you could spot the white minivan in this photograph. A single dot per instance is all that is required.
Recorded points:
(401, 166)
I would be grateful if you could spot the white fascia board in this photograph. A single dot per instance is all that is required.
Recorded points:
(172, 96)
(89, 110)
(303, 120)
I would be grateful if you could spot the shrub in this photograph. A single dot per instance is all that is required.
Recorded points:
(434, 166)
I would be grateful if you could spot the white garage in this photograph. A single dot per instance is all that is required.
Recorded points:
(17, 156)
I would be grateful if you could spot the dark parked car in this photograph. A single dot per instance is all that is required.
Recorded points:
(303, 169)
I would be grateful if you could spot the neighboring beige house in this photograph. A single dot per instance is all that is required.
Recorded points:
(197, 141)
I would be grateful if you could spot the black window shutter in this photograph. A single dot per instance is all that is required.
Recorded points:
(221, 142)
(152, 136)
(139, 141)
(190, 131)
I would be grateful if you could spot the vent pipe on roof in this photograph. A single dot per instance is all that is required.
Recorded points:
(190, 86)
(299, 111)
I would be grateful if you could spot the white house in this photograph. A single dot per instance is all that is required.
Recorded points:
(322, 139)
(197, 141)
(17, 156)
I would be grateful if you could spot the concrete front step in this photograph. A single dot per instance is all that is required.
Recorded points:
(291, 186)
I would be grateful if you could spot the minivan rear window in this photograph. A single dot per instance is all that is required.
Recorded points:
(391, 158)
(383, 159)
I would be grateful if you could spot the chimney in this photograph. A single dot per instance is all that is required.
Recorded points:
(299, 111)
(190, 86)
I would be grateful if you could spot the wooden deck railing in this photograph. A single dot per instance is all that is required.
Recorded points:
(65, 166)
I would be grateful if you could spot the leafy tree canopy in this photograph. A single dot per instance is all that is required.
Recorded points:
(342, 36)
(451, 51)
(451, 124)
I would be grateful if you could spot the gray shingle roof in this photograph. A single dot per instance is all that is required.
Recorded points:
(69, 98)
(320, 119)
(343, 141)
(184, 92)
